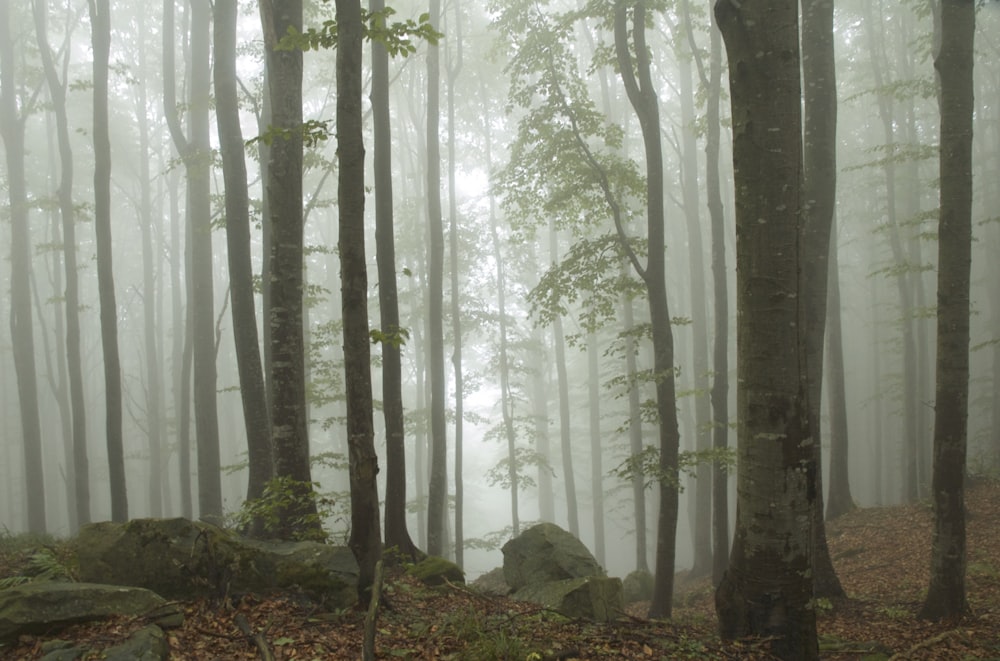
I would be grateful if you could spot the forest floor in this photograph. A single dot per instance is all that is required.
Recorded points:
(881, 556)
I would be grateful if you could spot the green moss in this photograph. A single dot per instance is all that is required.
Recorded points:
(434, 570)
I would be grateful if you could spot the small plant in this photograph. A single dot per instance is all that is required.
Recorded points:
(286, 494)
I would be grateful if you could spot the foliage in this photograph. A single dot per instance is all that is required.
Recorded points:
(283, 493)
(398, 37)
(646, 464)
(524, 457)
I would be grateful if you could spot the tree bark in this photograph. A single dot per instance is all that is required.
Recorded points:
(100, 21)
(244, 315)
(638, 83)
(366, 535)
(840, 501)
(946, 596)
(289, 426)
(437, 495)
(767, 589)
(396, 532)
(78, 477)
(819, 192)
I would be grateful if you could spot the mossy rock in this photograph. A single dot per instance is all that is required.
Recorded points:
(638, 586)
(434, 570)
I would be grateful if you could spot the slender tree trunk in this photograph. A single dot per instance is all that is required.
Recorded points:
(366, 535)
(596, 463)
(954, 61)
(702, 520)
(768, 587)
(79, 475)
(840, 500)
(100, 20)
(154, 381)
(639, 86)
(396, 532)
(635, 435)
(244, 315)
(437, 504)
(454, 68)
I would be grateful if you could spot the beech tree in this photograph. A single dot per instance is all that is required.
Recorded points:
(100, 23)
(953, 63)
(767, 590)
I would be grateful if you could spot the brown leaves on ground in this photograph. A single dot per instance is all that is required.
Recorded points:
(882, 557)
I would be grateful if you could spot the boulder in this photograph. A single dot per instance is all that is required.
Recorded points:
(638, 586)
(182, 559)
(545, 553)
(434, 570)
(40, 607)
(492, 583)
(595, 598)
(147, 644)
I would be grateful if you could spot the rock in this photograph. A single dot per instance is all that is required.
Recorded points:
(40, 607)
(493, 583)
(146, 644)
(593, 597)
(61, 650)
(545, 553)
(434, 570)
(182, 559)
(638, 586)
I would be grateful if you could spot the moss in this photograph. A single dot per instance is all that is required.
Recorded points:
(434, 570)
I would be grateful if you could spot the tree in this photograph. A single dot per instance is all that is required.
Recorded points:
(195, 152)
(953, 64)
(767, 589)
(100, 21)
(396, 533)
(819, 121)
(284, 187)
(438, 490)
(840, 500)
(248, 361)
(78, 478)
(366, 536)
(634, 66)
(21, 327)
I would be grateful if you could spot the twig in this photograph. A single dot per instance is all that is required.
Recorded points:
(368, 648)
(256, 638)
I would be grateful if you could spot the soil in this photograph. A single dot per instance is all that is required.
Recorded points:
(881, 555)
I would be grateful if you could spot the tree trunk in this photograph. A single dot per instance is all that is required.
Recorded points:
(635, 435)
(596, 444)
(244, 315)
(366, 535)
(396, 532)
(819, 191)
(437, 504)
(456, 318)
(639, 86)
(953, 63)
(767, 589)
(100, 21)
(79, 475)
(840, 500)
(289, 425)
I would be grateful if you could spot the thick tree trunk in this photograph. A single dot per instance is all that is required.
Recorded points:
(819, 200)
(767, 589)
(289, 426)
(244, 315)
(946, 595)
(366, 534)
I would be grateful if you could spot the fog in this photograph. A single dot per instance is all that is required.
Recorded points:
(886, 224)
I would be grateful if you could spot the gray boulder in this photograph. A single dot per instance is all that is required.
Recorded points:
(545, 553)
(40, 607)
(146, 644)
(182, 559)
(595, 598)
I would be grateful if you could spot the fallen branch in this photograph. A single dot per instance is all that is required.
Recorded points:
(368, 647)
(256, 638)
